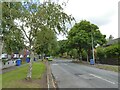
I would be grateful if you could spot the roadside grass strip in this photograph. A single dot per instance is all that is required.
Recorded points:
(108, 67)
(16, 78)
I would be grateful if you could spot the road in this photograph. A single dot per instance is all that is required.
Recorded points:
(71, 75)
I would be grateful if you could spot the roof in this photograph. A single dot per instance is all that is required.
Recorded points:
(113, 41)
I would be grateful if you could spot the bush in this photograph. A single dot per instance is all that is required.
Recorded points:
(73, 53)
(112, 51)
(100, 52)
(108, 55)
(84, 55)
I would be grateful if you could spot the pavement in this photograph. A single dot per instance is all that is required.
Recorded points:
(71, 75)
(10, 68)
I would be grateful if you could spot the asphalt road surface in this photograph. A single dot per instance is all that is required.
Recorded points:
(71, 75)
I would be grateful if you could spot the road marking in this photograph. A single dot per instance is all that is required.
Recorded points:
(102, 78)
(54, 64)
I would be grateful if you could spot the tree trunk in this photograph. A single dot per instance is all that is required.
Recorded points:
(29, 74)
(87, 57)
(79, 54)
(89, 52)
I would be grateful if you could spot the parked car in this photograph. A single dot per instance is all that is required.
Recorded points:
(16, 56)
(4, 56)
(50, 58)
(21, 56)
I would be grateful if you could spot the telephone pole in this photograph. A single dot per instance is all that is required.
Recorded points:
(93, 49)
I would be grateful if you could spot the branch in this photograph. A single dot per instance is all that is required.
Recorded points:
(24, 32)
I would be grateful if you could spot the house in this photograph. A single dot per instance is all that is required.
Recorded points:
(112, 42)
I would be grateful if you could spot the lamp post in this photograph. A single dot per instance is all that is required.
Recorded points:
(93, 48)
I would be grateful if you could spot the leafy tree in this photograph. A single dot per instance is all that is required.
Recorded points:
(62, 46)
(10, 11)
(13, 41)
(31, 18)
(12, 36)
(46, 42)
(80, 35)
(73, 53)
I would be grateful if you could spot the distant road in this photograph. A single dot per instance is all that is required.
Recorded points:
(71, 75)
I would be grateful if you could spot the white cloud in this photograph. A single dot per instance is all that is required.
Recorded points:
(103, 13)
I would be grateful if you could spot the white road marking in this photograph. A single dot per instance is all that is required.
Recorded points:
(54, 64)
(102, 78)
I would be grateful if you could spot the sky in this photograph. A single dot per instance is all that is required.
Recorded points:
(103, 13)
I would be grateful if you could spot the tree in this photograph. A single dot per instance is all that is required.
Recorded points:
(13, 41)
(46, 42)
(11, 35)
(80, 35)
(62, 46)
(36, 17)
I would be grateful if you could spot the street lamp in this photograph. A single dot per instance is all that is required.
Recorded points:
(93, 49)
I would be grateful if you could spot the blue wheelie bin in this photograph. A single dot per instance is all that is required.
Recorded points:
(27, 59)
(92, 62)
(34, 59)
(18, 62)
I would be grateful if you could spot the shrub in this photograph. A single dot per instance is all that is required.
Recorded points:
(100, 52)
(112, 51)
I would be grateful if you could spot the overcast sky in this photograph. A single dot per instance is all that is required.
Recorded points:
(103, 13)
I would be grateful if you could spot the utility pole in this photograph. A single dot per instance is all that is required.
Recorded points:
(93, 49)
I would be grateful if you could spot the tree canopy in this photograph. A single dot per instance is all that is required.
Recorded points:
(33, 19)
(81, 34)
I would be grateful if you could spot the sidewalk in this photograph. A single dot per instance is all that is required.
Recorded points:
(10, 68)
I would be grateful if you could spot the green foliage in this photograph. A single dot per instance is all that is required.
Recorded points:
(10, 11)
(46, 42)
(62, 46)
(13, 42)
(84, 54)
(112, 51)
(12, 36)
(80, 36)
(100, 52)
(73, 53)
(17, 76)
(35, 17)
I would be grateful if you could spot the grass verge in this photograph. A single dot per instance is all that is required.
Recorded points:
(16, 78)
(108, 67)
(113, 68)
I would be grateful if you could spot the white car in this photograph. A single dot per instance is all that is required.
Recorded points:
(4, 56)
(21, 56)
(16, 56)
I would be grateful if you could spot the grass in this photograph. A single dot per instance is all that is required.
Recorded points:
(108, 67)
(16, 78)
(113, 68)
